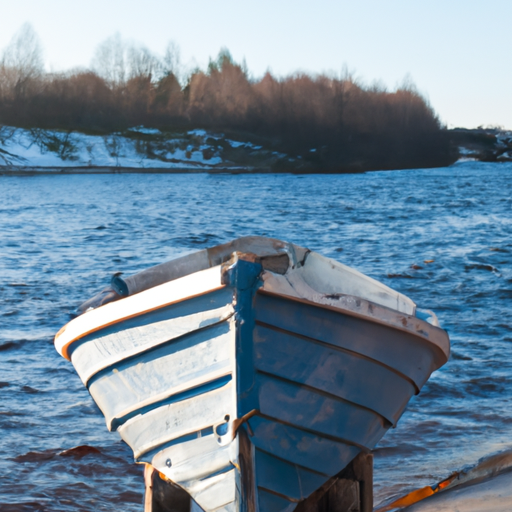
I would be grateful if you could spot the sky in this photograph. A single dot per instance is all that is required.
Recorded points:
(458, 53)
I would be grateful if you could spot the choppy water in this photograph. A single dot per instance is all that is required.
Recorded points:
(61, 237)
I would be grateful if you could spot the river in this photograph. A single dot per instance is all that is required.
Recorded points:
(62, 237)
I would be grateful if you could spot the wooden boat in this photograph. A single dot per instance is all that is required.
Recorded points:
(250, 373)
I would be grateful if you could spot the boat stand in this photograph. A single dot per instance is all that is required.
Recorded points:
(351, 490)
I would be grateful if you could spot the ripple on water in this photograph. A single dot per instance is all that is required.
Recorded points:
(430, 234)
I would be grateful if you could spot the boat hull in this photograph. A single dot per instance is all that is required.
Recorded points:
(243, 389)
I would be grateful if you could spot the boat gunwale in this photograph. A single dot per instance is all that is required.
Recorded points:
(442, 344)
(439, 340)
(63, 348)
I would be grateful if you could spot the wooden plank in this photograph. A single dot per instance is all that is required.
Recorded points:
(362, 466)
(344, 374)
(246, 452)
(147, 432)
(299, 447)
(407, 354)
(194, 459)
(179, 267)
(108, 346)
(230, 507)
(329, 276)
(165, 272)
(351, 490)
(269, 502)
(138, 304)
(167, 370)
(284, 478)
(304, 408)
(163, 496)
(355, 306)
(215, 492)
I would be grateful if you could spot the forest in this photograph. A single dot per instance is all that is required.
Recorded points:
(333, 123)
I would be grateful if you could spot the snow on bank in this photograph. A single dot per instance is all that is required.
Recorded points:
(51, 148)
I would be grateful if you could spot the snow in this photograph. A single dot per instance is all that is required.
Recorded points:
(205, 134)
(197, 133)
(143, 129)
(37, 148)
(467, 152)
(51, 148)
(237, 144)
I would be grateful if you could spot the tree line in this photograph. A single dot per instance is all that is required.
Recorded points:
(334, 123)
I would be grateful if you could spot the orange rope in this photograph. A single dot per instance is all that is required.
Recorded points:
(418, 495)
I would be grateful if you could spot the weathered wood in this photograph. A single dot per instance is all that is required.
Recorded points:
(281, 477)
(311, 409)
(410, 354)
(247, 473)
(363, 473)
(341, 373)
(273, 253)
(128, 338)
(254, 382)
(351, 490)
(214, 492)
(146, 432)
(163, 496)
(331, 277)
(196, 458)
(136, 305)
(305, 449)
(196, 359)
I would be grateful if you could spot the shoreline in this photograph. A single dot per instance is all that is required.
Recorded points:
(86, 170)
(35, 171)
(90, 170)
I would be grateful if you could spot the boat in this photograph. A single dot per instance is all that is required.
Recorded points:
(248, 374)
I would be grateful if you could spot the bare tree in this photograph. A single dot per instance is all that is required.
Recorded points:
(22, 61)
(110, 60)
(171, 63)
(142, 63)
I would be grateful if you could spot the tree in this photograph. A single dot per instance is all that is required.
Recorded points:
(142, 63)
(22, 61)
(110, 61)
(171, 63)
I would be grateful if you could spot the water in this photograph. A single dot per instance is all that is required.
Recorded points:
(63, 236)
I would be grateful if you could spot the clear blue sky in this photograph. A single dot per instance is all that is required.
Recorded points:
(457, 52)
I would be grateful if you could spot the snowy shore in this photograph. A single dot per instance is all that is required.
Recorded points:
(30, 151)
(26, 151)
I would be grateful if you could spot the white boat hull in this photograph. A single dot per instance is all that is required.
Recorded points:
(249, 388)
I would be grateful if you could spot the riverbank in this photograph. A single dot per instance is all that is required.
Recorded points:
(483, 144)
(149, 150)
(35, 171)
(26, 151)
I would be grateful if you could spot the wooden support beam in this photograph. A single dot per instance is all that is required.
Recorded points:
(163, 496)
(351, 490)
